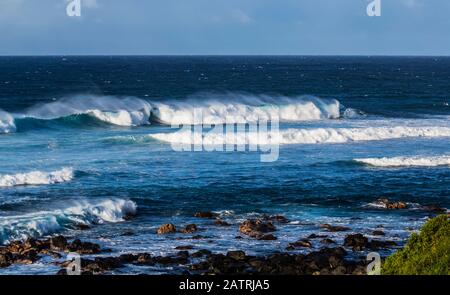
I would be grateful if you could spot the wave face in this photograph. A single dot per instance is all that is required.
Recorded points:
(6, 123)
(241, 108)
(44, 223)
(301, 136)
(111, 110)
(406, 161)
(37, 178)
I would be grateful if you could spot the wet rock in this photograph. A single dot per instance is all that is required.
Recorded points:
(266, 237)
(58, 243)
(256, 227)
(334, 228)
(278, 218)
(220, 222)
(378, 233)
(186, 247)
(327, 241)
(5, 259)
(166, 229)
(356, 241)
(236, 255)
(205, 215)
(83, 247)
(201, 253)
(386, 203)
(303, 243)
(314, 236)
(435, 209)
(190, 228)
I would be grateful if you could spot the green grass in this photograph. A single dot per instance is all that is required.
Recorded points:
(426, 253)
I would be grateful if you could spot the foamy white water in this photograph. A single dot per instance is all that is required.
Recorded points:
(36, 178)
(41, 223)
(245, 109)
(122, 112)
(6, 123)
(302, 136)
(407, 161)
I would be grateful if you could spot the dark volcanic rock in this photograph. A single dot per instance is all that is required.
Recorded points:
(237, 255)
(378, 233)
(332, 228)
(58, 243)
(303, 243)
(357, 242)
(83, 247)
(278, 218)
(327, 241)
(266, 237)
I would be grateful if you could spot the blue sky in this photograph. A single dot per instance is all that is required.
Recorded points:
(299, 27)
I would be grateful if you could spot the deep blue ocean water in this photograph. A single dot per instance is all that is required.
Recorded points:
(83, 140)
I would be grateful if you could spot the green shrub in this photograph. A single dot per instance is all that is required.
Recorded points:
(426, 253)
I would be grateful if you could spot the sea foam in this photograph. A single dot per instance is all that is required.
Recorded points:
(6, 123)
(407, 161)
(36, 178)
(112, 110)
(301, 136)
(41, 223)
(241, 108)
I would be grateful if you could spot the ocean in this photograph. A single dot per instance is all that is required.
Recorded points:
(88, 140)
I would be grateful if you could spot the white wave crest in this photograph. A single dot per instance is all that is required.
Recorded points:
(6, 123)
(301, 136)
(407, 161)
(239, 108)
(37, 178)
(112, 110)
(42, 223)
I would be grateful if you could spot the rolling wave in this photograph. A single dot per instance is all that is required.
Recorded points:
(44, 223)
(301, 136)
(406, 161)
(37, 178)
(242, 108)
(201, 109)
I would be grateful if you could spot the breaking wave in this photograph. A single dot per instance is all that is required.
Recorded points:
(200, 109)
(37, 178)
(6, 123)
(406, 161)
(44, 223)
(242, 108)
(111, 110)
(301, 136)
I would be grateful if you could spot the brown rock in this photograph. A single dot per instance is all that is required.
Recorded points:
(190, 228)
(58, 243)
(205, 215)
(187, 247)
(166, 228)
(386, 203)
(256, 228)
(236, 255)
(332, 228)
(327, 241)
(220, 222)
(266, 237)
